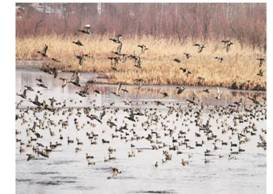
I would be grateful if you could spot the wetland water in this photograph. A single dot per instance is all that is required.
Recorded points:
(219, 140)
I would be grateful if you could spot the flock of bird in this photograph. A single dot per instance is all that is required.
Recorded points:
(175, 129)
(220, 59)
(119, 57)
(172, 129)
(115, 59)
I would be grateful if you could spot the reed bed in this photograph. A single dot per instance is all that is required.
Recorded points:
(238, 70)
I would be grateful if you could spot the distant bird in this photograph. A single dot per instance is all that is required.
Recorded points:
(124, 90)
(187, 55)
(200, 47)
(114, 68)
(131, 117)
(261, 61)
(119, 87)
(56, 60)
(220, 59)
(165, 94)
(115, 93)
(64, 82)
(44, 51)
(114, 60)
(24, 94)
(227, 44)
(184, 70)
(119, 48)
(219, 94)
(30, 157)
(180, 90)
(137, 60)
(115, 172)
(54, 72)
(29, 88)
(177, 60)
(84, 91)
(42, 85)
(81, 58)
(121, 56)
(254, 99)
(78, 42)
(97, 91)
(143, 48)
(86, 29)
(225, 41)
(75, 79)
(206, 90)
(260, 73)
(200, 79)
(116, 39)
(36, 101)
(184, 162)
(39, 80)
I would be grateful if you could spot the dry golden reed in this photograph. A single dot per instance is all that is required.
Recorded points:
(240, 64)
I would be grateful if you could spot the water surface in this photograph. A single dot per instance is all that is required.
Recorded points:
(164, 124)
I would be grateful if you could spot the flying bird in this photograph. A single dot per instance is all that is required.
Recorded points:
(78, 42)
(43, 51)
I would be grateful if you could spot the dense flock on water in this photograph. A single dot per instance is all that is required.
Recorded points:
(174, 129)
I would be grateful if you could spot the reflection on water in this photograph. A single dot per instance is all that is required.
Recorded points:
(160, 144)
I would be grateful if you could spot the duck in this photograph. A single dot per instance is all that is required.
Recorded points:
(78, 43)
(86, 29)
(187, 55)
(143, 48)
(24, 94)
(200, 47)
(43, 51)
(220, 59)
(177, 60)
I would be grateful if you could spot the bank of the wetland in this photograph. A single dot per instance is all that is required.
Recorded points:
(104, 78)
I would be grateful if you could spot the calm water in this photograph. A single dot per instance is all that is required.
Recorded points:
(170, 126)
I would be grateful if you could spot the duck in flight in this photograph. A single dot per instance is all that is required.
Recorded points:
(220, 59)
(43, 51)
(261, 61)
(78, 42)
(75, 79)
(86, 29)
(116, 39)
(143, 48)
(187, 55)
(180, 89)
(260, 73)
(81, 57)
(177, 60)
(24, 94)
(227, 44)
(186, 71)
(200, 47)
(64, 82)
(55, 60)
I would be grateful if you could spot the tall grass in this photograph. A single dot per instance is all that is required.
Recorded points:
(239, 66)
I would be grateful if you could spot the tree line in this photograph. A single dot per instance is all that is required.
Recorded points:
(245, 22)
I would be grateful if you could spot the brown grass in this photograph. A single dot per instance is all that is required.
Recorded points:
(239, 66)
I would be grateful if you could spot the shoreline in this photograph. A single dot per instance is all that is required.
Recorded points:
(29, 65)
